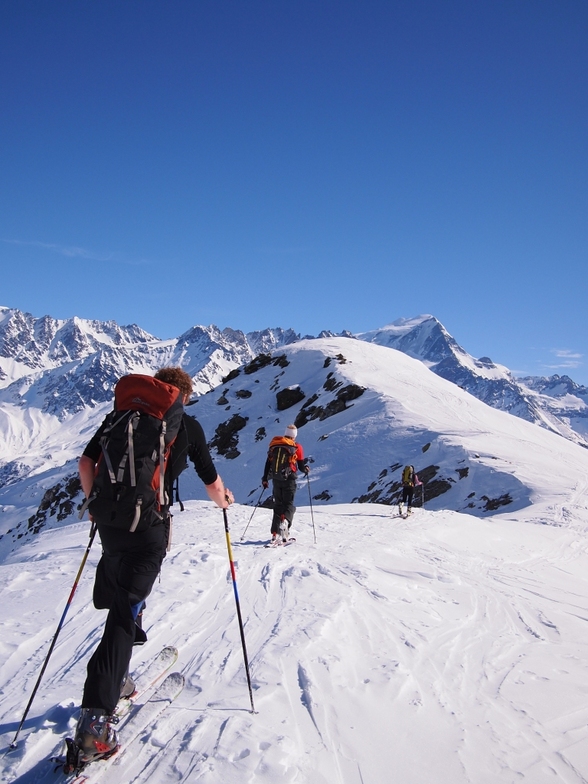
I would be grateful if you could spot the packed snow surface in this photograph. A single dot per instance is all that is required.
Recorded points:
(438, 648)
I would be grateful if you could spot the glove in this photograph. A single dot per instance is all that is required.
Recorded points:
(265, 484)
(306, 470)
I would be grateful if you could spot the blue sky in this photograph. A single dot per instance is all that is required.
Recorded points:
(304, 163)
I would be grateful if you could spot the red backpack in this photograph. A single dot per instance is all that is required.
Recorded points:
(129, 489)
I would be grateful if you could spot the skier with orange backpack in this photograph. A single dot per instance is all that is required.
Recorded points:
(285, 458)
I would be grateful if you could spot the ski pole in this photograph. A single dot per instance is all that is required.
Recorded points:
(56, 635)
(234, 577)
(311, 512)
(254, 511)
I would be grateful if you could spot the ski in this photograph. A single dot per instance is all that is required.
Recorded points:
(164, 694)
(147, 678)
(280, 542)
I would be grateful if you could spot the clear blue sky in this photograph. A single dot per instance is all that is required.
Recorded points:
(304, 163)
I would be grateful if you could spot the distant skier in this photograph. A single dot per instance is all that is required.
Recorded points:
(135, 541)
(285, 458)
(409, 481)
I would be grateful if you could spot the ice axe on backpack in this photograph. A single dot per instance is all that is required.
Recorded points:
(252, 513)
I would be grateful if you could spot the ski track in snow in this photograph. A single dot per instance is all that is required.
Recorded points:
(441, 648)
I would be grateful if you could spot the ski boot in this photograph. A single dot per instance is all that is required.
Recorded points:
(94, 739)
(127, 688)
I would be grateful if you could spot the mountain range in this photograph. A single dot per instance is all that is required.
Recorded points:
(57, 379)
(65, 366)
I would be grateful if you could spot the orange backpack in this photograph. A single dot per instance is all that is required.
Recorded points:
(282, 456)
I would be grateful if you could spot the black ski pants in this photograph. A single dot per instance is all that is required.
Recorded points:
(283, 491)
(407, 494)
(125, 576)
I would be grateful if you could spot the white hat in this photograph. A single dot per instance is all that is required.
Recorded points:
(291, 432)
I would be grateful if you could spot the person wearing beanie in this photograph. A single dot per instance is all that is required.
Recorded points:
(285, 458)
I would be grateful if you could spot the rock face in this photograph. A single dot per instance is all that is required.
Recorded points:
(286, 398)
(226, 437)
(59, 502)
(339, 403)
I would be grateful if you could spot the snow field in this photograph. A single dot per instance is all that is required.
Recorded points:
(439, 648)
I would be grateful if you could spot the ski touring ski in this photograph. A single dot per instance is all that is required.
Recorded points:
(280, 543)
(165, 693)
(147, 678)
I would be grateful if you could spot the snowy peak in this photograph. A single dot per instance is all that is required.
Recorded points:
(555, 386)
(363, 412)
(235, 345)
(85, 358)
(269, 339)
(422, 337)
(62, 367)
(426, 339)
(47, 342)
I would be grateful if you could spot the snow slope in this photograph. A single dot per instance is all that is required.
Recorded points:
(442, 648)
(405, 415)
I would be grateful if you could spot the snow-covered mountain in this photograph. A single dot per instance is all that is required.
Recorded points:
(58, 378)
(62, 367)
(561, 401)
(363, 412)
(558, 404)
